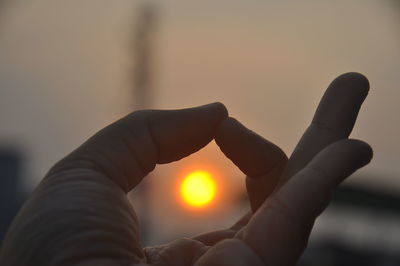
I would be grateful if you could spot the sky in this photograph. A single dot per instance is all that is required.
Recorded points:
(66, 71)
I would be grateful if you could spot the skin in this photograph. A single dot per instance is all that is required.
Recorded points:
(79, 213)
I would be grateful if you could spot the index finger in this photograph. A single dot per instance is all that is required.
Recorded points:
(261, 160)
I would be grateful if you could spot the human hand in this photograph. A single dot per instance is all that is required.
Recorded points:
(79, 214)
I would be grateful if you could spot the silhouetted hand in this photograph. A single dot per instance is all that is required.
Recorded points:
(79, 214)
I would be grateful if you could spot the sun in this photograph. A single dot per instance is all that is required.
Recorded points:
(198, 189)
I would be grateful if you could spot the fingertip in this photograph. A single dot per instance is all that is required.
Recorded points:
(217, 107)
(227, 131)
(222, 108)
(226, 126)
(181, 132)
(341, 103)
(364, 151)
(354, 80)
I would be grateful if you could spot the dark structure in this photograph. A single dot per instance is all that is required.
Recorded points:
(338, 252)
(143, 85)
(11, 198)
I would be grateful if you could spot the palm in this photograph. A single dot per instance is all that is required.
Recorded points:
(85, 192)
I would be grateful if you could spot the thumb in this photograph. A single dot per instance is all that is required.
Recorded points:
(127, 150)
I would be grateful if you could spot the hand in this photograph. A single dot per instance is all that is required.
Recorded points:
(79, 213)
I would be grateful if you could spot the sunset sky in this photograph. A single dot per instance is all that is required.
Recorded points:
(66, 71)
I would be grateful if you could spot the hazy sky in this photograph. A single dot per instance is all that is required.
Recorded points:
(65, 71)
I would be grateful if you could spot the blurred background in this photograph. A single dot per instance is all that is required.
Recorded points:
(68, 68)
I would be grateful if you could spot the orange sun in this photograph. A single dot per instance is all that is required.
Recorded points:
(198, 189)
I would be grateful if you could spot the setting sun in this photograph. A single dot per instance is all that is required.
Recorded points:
(198, 189)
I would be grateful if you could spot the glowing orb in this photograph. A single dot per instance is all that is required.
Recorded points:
(198, 189)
